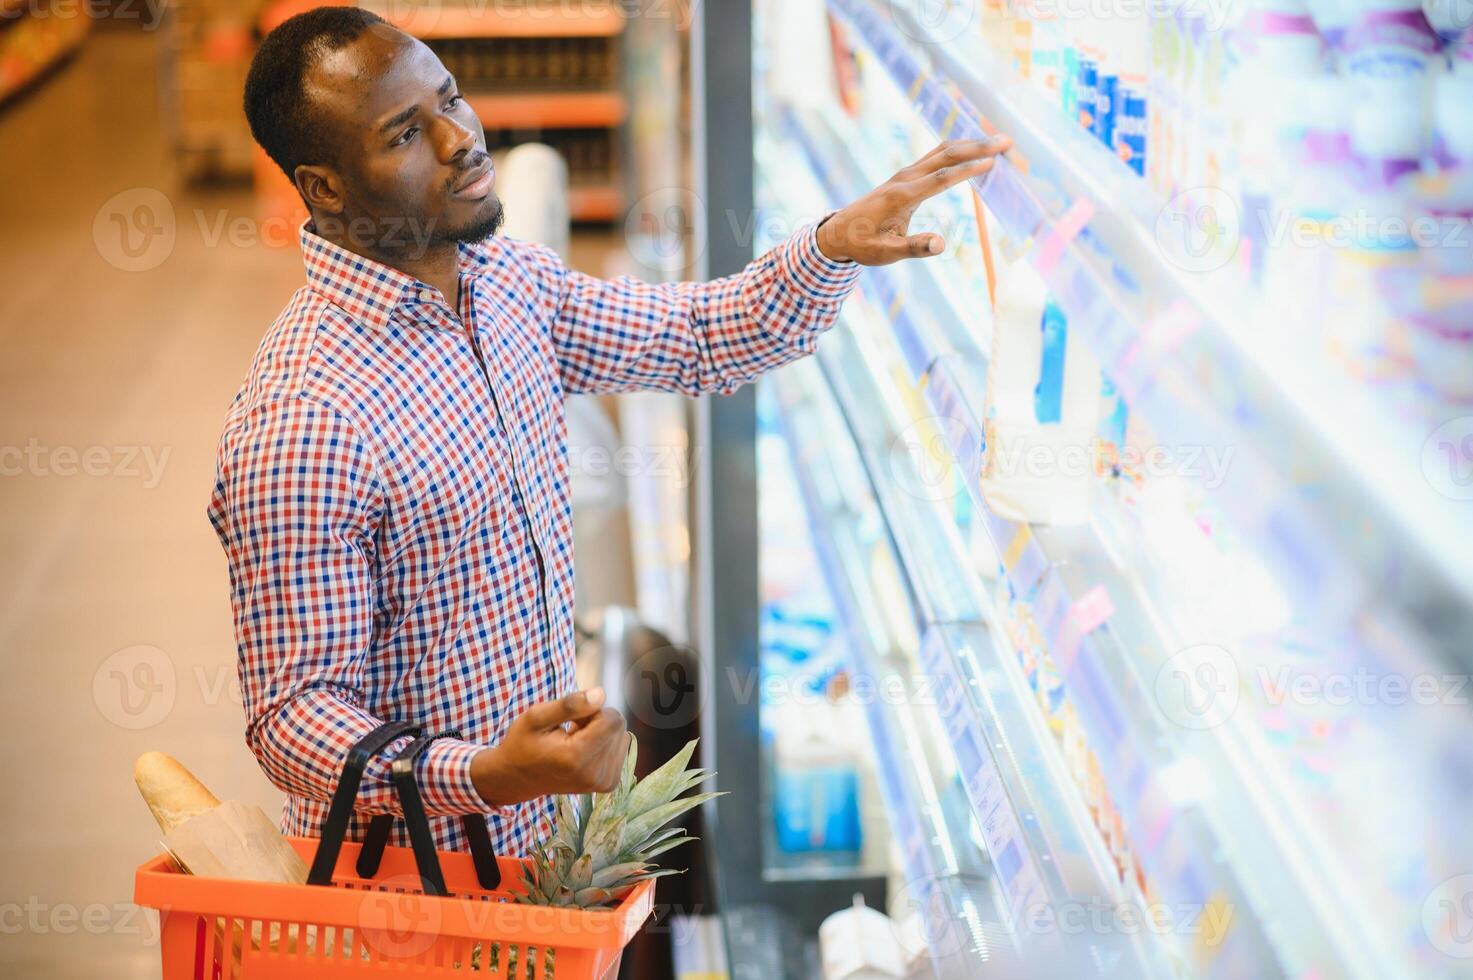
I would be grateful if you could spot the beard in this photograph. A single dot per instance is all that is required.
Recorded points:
(482, 227)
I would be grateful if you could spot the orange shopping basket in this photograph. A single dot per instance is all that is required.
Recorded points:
(372, 910)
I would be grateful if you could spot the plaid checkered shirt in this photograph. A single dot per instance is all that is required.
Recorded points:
(392, 496)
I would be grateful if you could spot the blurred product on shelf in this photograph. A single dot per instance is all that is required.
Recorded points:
(1273, 130)
(207, 48)
(1043, 399)
(806, 715)
(35, 37)
(859, 943)
(530, 64)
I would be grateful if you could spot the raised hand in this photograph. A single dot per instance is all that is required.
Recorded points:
(875, 230)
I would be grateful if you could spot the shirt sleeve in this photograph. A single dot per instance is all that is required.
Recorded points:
(625, 335)
(295, 505)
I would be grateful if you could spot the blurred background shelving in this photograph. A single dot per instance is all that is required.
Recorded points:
(534, 72)
(34, 39)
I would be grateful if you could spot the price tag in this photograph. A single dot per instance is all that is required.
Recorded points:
(1086, 615)
(1021, 539)
(1066, 229)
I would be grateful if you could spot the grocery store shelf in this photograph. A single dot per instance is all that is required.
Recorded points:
(433, 21)
(1192, 358)
(595, 202)
(950, 885)
(1014, 777)
(548, 110)
(12, 11)
(31, 46)
(1059, 571)
(1009, 769)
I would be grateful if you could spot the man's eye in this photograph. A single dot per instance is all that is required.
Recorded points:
(406, 136)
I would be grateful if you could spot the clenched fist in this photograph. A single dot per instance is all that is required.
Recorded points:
(875, 230)
(571, 745)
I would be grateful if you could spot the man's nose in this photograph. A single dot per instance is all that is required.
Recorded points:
(455, 141)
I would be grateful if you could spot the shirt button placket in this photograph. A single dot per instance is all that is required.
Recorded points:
(472, 332)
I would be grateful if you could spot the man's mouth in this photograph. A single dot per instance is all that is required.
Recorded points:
(477, 182)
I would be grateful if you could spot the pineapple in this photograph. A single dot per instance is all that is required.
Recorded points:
(605, 842)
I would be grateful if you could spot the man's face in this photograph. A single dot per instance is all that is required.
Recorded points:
(411, 160)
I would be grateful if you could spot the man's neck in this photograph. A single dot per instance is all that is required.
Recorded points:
(436, 264)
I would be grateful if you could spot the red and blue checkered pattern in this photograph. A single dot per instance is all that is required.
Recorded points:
(396, 518)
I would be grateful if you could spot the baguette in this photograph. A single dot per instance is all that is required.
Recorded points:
(170, 790)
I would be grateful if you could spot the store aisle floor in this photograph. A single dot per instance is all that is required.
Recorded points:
(117, 364)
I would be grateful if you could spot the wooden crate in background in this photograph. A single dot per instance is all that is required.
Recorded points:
(207, 50)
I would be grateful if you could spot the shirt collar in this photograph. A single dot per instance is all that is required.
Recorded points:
(369, 291)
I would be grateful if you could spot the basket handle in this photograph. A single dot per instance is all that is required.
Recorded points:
(483, 852)
(335, 826)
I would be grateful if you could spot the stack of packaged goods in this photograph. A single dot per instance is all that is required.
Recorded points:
(518, 64)
(208, 46)
(808, 712)
(1319, 150)
(1047, 685)
(36, 35)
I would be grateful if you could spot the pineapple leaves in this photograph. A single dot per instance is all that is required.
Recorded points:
(603, 843)
(640, 827)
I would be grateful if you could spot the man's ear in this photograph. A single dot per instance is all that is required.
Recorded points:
(321, 188)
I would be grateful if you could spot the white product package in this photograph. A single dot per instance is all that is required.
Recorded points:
(1037, 471)
(859, 943)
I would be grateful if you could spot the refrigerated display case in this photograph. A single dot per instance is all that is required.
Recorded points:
(1170, 583)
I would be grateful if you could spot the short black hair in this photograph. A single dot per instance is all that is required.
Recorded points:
(283, 120)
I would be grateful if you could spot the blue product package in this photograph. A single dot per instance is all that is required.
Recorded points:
(1048, 394)
(817, 809)
(1069, 83)
(1115, 415)
(1130, 131)
(1104, 117)
(1089, 75)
